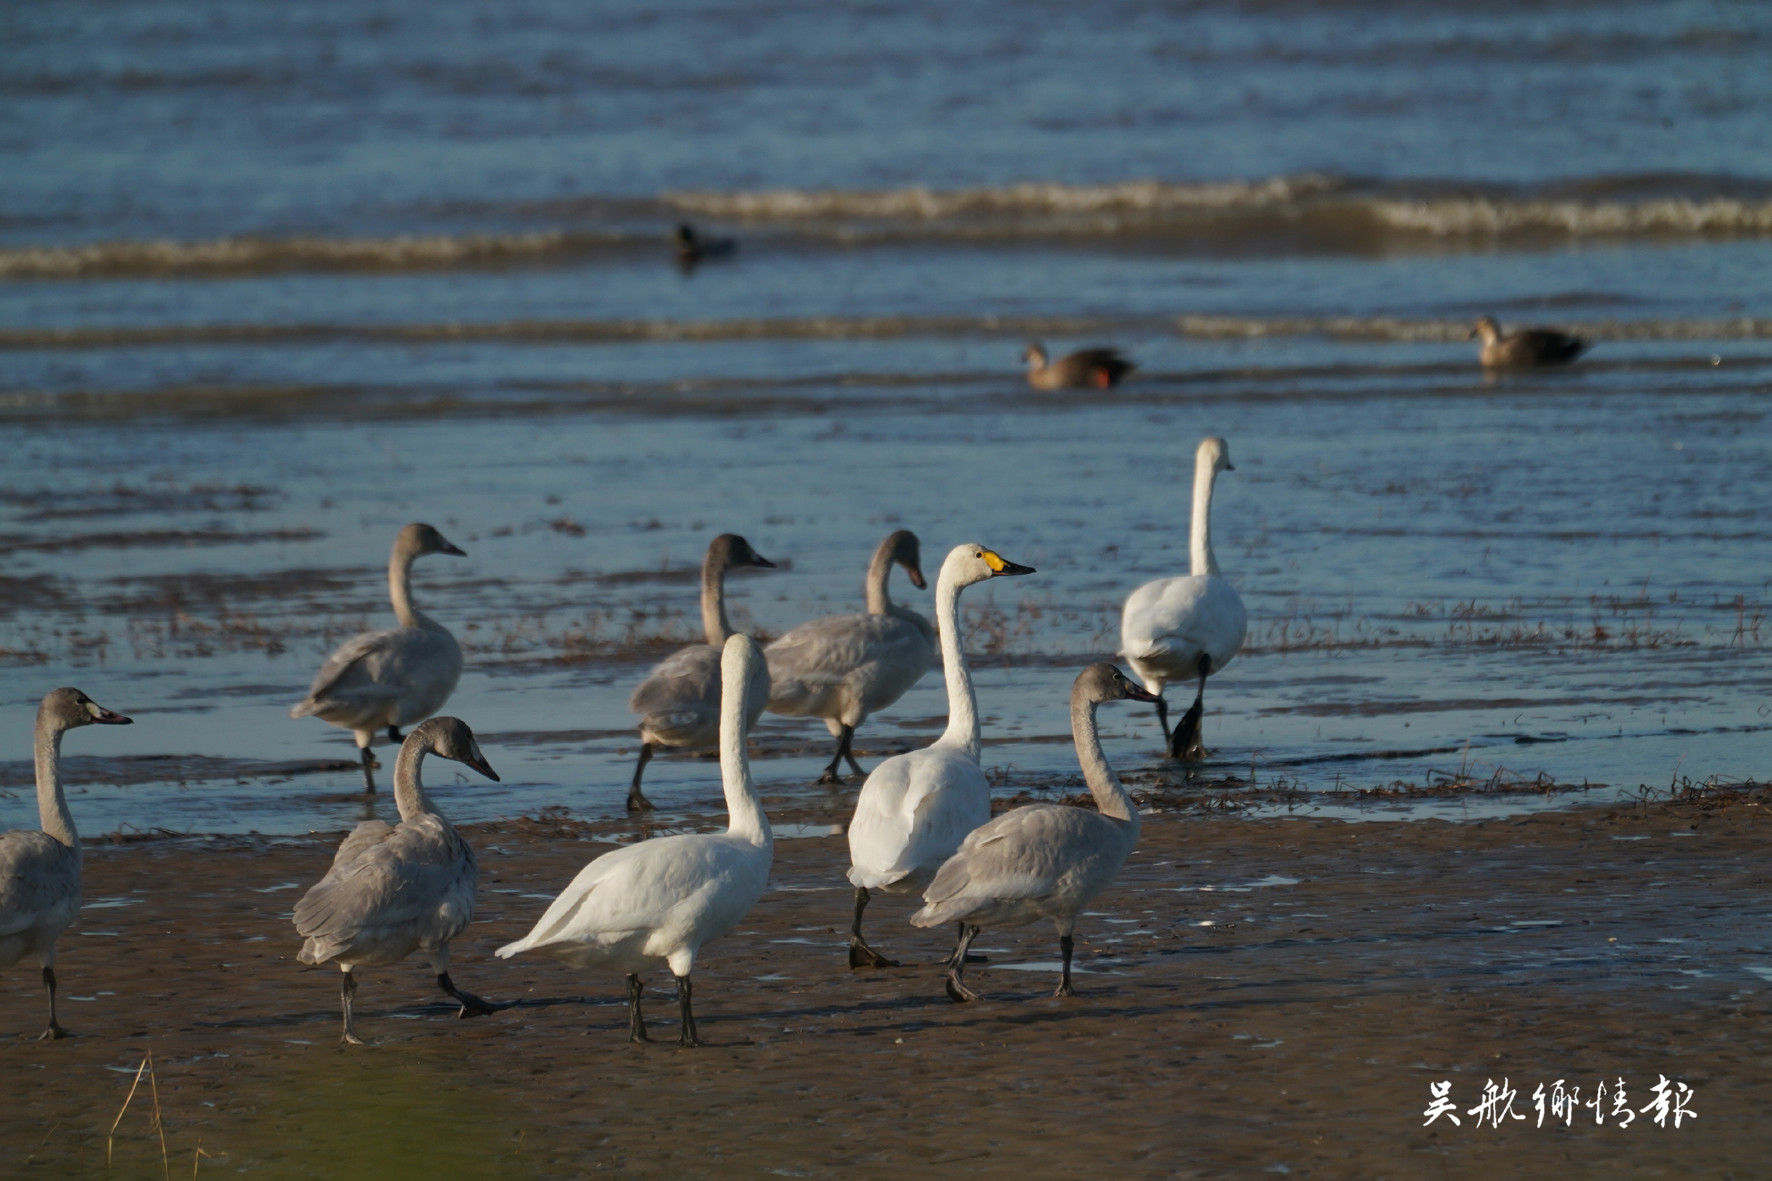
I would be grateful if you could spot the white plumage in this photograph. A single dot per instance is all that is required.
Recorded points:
(40, 869)
(844, 667)
(665, 898)
(398, 889)
(1044, 860)
(679, 701)
(916, 808)
(1188, 626)
(387, 679)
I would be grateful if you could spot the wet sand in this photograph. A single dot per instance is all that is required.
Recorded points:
(1347, 967)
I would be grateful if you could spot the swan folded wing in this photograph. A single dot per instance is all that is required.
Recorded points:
(820, 656)
(945, 803)
(689, 676)
(352, 674)
(37, 876)
(1182, 617)
(1020, 855)
(418, 879)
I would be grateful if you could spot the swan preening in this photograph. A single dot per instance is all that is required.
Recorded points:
(396, 889)
(40, 868)
(1525, 348)
(916, 808)
(386, 679)
(1097, 368)
(1187, 626)
(663, 899)
(679, 701)
(844, 667)
(1043, 860)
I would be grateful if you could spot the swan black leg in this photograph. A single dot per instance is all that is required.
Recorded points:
(637, 801)
(848, 752)
(54, 1032)
(636, 1023)
(1185, 742)
(1065, 947)
(1163, 718)
(347, 993)
(687, 1014)
(395, 736)
(369, 766)
(834, 772)
(860, 954)
(471, 1005)
(956, 982)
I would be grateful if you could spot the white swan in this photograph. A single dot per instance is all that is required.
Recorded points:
(916, 808)
(663, 899)
(679, 701)
(1044, 861)
(844, 667)
(396, 889)
(1187, 626)
(40, 869)
(393, 677)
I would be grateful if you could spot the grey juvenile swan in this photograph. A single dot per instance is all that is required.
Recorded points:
(844, 667)
(1044, 861)
(40, 869)
(396, 889)
(387, 679)
(679, 702)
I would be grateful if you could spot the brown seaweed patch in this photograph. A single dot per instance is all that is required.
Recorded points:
(51, 504)
(14, 543)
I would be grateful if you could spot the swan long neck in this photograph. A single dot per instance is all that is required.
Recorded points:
(400, 589)
(52, 802)
(1200, 555)
(744, 810)
(962, 731)
(1110, 796)
(713, 601)
(879, 570)
(409, 789)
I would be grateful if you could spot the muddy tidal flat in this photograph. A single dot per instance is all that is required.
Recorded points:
(1254, 996)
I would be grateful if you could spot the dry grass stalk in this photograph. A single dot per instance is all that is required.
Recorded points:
(147, 1067)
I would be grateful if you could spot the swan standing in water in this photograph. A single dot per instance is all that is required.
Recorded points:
(396, 889)
(40, 869)
(1044, 861)
(1525, 348)
(1097, 368)
(663, 899)
(916, 808)
(1191, 625)
(392, 677)
(844, 667)
(679, 702)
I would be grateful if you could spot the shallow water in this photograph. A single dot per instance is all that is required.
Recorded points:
(274, 282)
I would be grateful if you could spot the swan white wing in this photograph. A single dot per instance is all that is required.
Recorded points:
(409, 885)
(1026, 855)
(912, 814)
(1169, 623)
(39, 882)
(874, 658)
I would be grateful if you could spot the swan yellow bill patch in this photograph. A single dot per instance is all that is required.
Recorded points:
(996, 563)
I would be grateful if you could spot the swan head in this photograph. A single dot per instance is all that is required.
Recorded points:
(64, 709)
(1487, 328)
(419, 539)
(1101, 682)
(729, 551)
(1213, 455)
(904, 549)
(970, 563)
(450, 738)
(1034, 355)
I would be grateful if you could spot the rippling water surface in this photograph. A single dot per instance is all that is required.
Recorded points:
(276, 279)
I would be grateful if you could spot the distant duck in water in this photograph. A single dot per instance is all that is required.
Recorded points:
(693, 249)
(40, 867)
(1097, 369)
(1527, 348)
(386, 679)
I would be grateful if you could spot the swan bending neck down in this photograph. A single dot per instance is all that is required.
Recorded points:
(1188, 626)
(844, 667)
(396, 889)
(386, 679)
(40, 868)
(679, 701)
(916, 808)
(1044, 860)
(665, 898)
